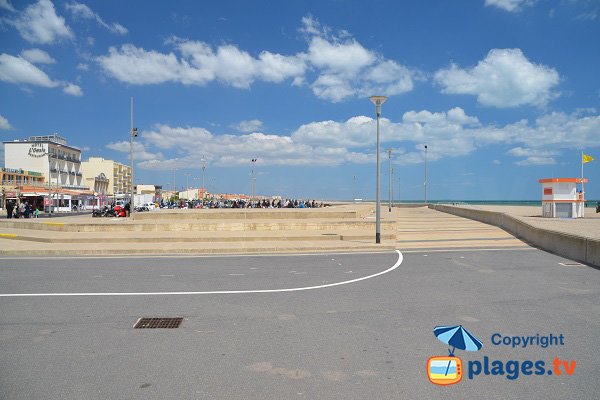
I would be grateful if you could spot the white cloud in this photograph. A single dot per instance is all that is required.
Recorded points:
(20, 71)
(347, 69)
(72, 89)
(139, 151)
(38, 23)
(79, 10)
(37, 56)
(329, 143)
(339, 66)
(247, 126)
(535, 160)
(4, 124)
(198, 65)
(505, 78)
(509, 5)
(5, 4)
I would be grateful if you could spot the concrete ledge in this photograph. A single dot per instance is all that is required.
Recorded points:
(316, 237)
(127, 226)
(242, 214)
(578, 248)
(193, 251)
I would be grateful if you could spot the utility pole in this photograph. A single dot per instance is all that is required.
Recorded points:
(253, 179)
(425, 174)
(389, 151)
(133, 132)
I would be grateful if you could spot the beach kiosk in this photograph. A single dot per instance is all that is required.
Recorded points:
(560, 198)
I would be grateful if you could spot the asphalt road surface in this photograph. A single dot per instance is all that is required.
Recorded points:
(320, 338)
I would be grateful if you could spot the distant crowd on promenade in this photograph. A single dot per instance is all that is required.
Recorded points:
(20, 210)
(287, 203)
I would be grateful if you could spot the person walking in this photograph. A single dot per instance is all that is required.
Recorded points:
(9, 209)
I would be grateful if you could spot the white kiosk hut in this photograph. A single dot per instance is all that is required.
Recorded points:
(560, 198)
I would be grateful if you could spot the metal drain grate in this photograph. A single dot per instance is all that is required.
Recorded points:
(571, 264)
(158, 323)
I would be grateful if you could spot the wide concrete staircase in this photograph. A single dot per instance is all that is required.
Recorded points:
(339, 228)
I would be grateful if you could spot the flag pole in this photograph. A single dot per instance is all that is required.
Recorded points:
(582, 185)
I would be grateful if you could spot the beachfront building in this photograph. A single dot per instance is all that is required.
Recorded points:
(50, 155)
(13, 182)
(194, 194)
(118, 175)
(560, 198)
(99, 186)
(55, 168)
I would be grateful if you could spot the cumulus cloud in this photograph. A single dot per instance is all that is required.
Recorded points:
(79, 10)
(335, 67)
(20, 71)
(39, 23)
(328, 143)
(509, 5)
(247, 126)
(505, 78)
(37, 56)
(72, 89)
(139, 151)
(198, 65)
(4, 124)
(346, 69)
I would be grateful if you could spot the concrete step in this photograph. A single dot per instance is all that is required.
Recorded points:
(183, 237)
(243, 214)
(20, 248)
(124, 225)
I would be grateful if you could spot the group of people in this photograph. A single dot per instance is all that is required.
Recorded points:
(20, 210)
(288, 203)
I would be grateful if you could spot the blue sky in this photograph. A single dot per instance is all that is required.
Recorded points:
(503, 92)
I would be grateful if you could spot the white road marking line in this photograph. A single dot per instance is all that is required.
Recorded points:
(390, 269)
(236, 274)
(167, 275)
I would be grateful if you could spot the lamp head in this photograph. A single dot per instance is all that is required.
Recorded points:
(378, 100)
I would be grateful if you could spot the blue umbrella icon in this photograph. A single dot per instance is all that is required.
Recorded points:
(457, 337)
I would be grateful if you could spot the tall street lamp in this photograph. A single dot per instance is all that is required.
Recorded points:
(253, 179)
(203, 168)
(425, 175)
(378, 101)
(389, 151)
(133, 132)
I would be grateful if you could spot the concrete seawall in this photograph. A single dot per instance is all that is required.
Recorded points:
(580, 248)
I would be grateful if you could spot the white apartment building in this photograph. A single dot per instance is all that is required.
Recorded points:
(50, 155)
(118, 175)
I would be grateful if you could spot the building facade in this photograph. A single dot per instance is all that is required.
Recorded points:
(59, 163)
(118, 175)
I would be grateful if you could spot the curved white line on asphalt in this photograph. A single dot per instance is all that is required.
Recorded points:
(393, 267)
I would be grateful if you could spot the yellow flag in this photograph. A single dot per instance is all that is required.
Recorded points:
(585, 158)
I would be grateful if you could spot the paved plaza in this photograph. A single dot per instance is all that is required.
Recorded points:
(365, 339)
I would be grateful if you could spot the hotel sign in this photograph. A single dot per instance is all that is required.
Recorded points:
(37, 150)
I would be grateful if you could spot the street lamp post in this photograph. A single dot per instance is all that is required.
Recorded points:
(354, 188)
(203, 168)
(253, 179)
(378, 101)
(425, 174)
(392, 187)
(389, 151)
(133, 132)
